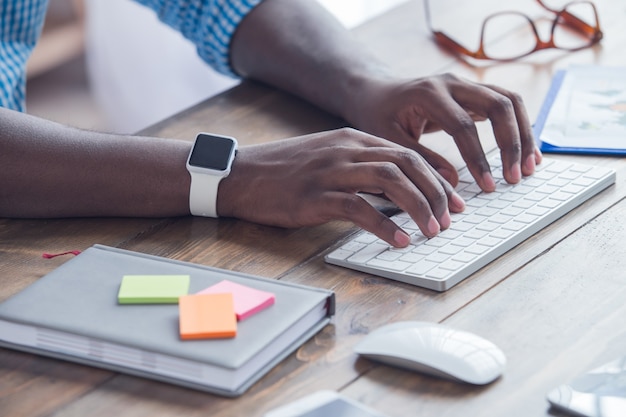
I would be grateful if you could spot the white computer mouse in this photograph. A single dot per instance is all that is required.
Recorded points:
(435, 349)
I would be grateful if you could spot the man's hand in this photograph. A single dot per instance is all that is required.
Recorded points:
(313, 179)
(402, 110)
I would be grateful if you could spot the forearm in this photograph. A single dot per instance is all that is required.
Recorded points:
(297, 46)
(49, 170)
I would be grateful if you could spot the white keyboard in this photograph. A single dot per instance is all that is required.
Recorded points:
(491, 224)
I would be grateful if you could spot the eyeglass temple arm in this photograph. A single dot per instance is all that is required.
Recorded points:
(594, 33)
(427, 15)
(449, 43)
(446, 41)
(581, 26)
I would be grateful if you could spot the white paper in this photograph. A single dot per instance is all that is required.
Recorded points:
(589, 110)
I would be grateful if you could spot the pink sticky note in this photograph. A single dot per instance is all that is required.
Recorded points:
(248, 301)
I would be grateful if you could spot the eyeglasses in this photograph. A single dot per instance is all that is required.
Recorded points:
(566, 20)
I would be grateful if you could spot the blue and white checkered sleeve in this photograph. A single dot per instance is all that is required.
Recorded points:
(209, 24)
(21, 22)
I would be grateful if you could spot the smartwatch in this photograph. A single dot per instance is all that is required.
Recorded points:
(209, 162)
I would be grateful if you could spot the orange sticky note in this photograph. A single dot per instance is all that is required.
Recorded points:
(248, 301)
(207, 316)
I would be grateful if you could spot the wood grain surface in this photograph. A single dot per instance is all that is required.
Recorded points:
(554, 304)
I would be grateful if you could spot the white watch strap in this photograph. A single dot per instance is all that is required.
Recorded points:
(203, 194)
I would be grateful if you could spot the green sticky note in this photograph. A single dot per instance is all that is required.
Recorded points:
(152, 289)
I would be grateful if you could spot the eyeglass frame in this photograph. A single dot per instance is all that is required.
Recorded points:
(593, 33)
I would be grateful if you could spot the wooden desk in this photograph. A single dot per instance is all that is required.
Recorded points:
(555, 304)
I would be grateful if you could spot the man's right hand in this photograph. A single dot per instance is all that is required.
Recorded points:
(313, 179)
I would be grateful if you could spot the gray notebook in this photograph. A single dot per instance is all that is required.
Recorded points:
(72, 313)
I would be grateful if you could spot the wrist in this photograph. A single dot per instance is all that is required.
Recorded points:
(209, 162)
(234, 189)
(364, 101)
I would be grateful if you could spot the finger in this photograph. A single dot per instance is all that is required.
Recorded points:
(414, 166)
(404, 177)
(410, 139)
(499, 109)
(439, 163)
(445, 173)
(530, 156)
(455, 201)
(353, 208)
(455, 121)
(410, 163)
(429, 213)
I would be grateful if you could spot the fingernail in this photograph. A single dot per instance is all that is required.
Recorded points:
(445, 220)
(433, 226)
(530, 164)
(516, 173)
(456, 202)
(402, 239)
(490, 184)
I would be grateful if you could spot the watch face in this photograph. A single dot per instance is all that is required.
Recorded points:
(212, 152)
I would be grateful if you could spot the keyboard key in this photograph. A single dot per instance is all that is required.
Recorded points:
(499, 218)
(477, 202)
(437, 257)
(514, 226)
(425, 250)
(511, 197)
(436, 242)
(512, 211)
(421, 268)
(451, 249)
(438, 273)
(501, 234)
(596, 174)
(392, 266)
(464, 257)
(487, 226)
(538, 211)
(461, 226)
(411, 257)
(569, 175)
(450, 234)
(366, 238)
(559, 182)
(524, 204)
(452, 265)
(561, 196)
(545, 175)
(549, 203)
(486, 211)
(572, 189)
(463, 241)
(547, 189)
(354, 246)
(340, 254)
(368, 253)
(477, 249)
(526, 218)
(475, 234)
(533, 182)
(489, 241)
(522, 189)
(389, 255)
(499, 204)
